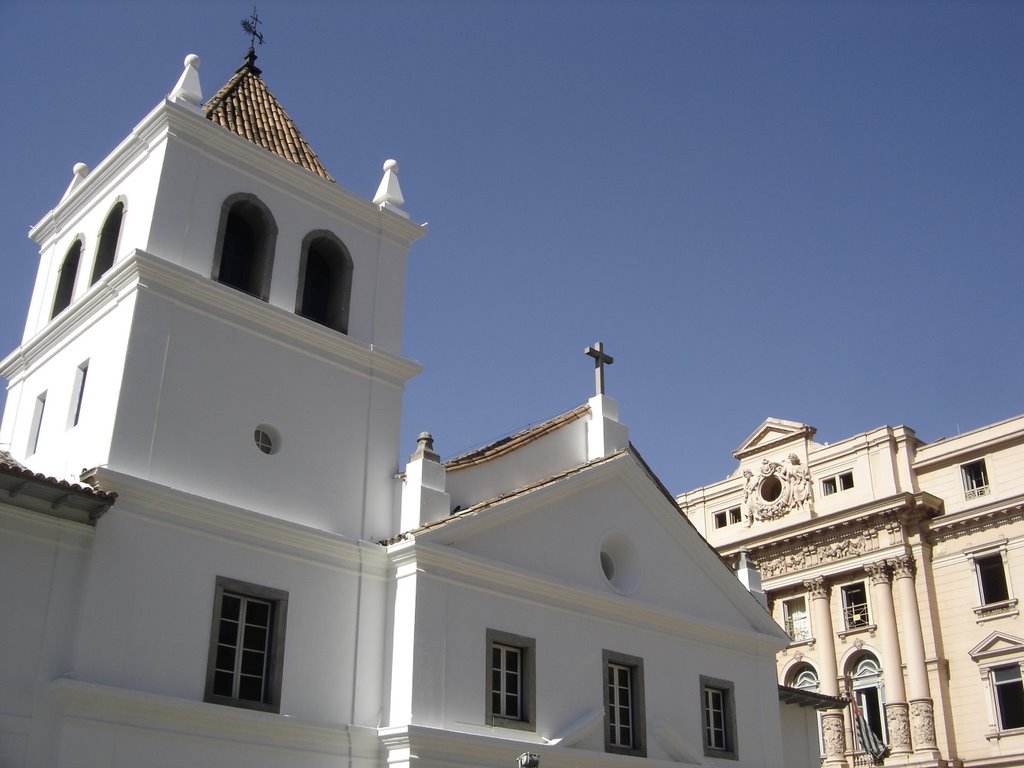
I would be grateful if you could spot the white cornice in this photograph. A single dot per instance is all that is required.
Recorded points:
(107, 706)
(962, 447)
(446, 746)
(172, 121)
(472, 572)
(166, 506)
(147, 274)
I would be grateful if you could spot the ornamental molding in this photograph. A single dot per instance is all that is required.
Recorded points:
(776, 489)
(903, 567)
(897, 716)
(922, 723)
(844, 542)
(977, 522)
(879, 572)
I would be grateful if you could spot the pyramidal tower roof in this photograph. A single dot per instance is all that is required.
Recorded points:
(244, 105)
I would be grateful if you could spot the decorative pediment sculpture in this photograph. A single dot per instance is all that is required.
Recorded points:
(777, 489)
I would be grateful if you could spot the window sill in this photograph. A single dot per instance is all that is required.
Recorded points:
(510, 722)
(721, 754)
(1001, 610)
(808, 641)
(996, 735)
(870, 629)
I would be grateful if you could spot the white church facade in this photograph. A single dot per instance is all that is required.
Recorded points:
(208, 555)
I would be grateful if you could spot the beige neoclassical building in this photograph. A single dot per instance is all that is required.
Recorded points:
(892, 565)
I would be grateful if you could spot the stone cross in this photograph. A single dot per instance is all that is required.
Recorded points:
(600, 361)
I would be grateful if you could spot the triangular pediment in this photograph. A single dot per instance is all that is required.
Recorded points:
(612, 511)
(772, 434)
(997, 644)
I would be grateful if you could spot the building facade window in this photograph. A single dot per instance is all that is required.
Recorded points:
(66, 279)
(836, 483)
(325, 281)
(244, 252)
(855, 606)
(511, 693)
(246, 646)
(728, 517)
(626, 729)
(37, 423)
(866, 683)
(992, 582)
(78, 394)
(1009, 693)
(107, 248)
(797, 621)
(975, 477)
(718, 717)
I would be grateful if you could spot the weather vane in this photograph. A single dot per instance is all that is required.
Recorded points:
(250, 26)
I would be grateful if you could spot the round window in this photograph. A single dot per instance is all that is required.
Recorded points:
(771, 488)
(620, 562)
(266, 438)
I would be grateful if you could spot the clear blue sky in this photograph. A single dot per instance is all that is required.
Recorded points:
(808, 210)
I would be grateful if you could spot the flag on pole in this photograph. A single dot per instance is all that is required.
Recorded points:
(868, 739)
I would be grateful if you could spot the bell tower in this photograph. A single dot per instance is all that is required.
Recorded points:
(215, 314)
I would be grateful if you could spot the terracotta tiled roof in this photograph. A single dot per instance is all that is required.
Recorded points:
(516, 441)
(32, 490)
(247, 107)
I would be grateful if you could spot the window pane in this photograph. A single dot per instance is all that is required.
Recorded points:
(250, 688)
(222, 682)
(230, 606)
(225, 658)
(255, 638)
(257, 613)
(228, 633)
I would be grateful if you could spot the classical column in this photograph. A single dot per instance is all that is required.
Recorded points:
(833, 732)
(897, 714)
(922, 709)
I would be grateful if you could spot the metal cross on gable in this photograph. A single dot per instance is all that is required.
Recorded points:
(600, 361)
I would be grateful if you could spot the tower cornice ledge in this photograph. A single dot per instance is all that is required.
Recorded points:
(141, 272)
(172, 122)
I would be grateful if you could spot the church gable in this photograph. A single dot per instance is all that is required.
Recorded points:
(609, 528)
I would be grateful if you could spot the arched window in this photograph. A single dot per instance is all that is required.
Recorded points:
(325, 281)
(107, 248)
(66, 279)
(804, 677)
(866, 682)
(244, 258)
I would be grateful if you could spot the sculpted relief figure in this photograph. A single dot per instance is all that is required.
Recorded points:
(802, 495)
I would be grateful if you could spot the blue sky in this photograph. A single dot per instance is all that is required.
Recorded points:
(807, 210)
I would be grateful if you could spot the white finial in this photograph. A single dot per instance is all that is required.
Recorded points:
(389, 193)
(188, 88)
(78, 174)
